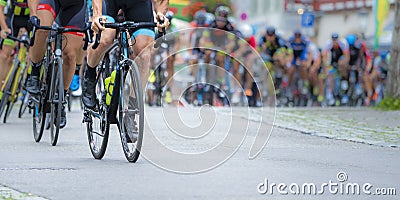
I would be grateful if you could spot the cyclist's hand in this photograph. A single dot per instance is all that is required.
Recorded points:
(5, 32)
(160, 18)
(96, 26)
(34, 21)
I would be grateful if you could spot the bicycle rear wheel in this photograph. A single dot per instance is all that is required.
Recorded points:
(57, 95)
(39, 119)
(131, 113)
(97, 123)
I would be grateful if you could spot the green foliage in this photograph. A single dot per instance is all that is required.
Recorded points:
(389, 104)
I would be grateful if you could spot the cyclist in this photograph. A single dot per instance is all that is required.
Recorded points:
(299, 44)
(134, 10)
(338, 52)
(67, 14)
(379, 74)
(315, 71)
(202, 19)
(247, 56)
(277, 53)
(217, 38)
(16, 18)
(361, 58)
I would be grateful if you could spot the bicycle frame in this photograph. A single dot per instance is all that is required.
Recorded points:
(120, 73)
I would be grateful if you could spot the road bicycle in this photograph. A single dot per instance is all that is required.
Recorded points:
(119, 96)
(12, 87)
(51, 97)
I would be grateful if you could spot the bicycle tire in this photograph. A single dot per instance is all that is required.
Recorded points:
(57, 85)
(24, 105)
(39, 119)
(103, 125)
(6, 93)
(69, 102)
(133, 74)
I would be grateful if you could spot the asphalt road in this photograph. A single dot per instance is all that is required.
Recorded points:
(68, 170)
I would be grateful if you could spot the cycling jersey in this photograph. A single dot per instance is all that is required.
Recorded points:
(359, 53)
(273, 47)
(336, 52)
(218, 36)
(17, 7)
(17, 17)
(300, 49)
(313, 49)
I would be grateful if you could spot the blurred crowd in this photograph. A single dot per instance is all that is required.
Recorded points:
(270, 69)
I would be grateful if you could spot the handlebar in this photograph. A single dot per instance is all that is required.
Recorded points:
(60, 30)
(127, 25)
(24, 41)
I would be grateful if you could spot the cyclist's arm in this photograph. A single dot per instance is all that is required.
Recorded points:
(161, 6)
(3, 23)
(97, 6)
(33, 4)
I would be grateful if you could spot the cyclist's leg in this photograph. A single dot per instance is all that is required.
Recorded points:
(71, 14)
(5, 54)
(141, 11)
(7, 47)
(46, 13)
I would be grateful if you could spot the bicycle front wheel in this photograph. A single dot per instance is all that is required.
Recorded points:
(131, 113)
(57, 94)
(24, 104)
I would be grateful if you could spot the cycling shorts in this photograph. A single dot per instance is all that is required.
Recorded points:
(134, 10)
(303, 57)
(15, 23)
(71, 13)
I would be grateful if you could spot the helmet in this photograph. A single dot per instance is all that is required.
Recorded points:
(335, 36)
(297, 33)
(209, 18)
(169, 15)
(222, 11)
(245, 29)
(271, 30)
(351, 39)
(200, 17)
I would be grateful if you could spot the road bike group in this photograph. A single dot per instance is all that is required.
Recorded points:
(342, 72)
(45, 43)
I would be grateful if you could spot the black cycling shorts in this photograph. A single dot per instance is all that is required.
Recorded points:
(15, 22)
(67, 13)
(134, 10)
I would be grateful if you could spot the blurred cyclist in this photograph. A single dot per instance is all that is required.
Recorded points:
(276, 51)
(218, 40)
(360, 58)
(335, 58)
(315, 71)
(299, 44)
(246, 55)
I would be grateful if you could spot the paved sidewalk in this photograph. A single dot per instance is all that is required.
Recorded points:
(11, 194)
(365, 125)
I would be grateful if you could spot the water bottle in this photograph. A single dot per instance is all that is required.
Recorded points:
(109, 86)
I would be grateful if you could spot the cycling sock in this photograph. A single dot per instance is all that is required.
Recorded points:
(36, 68)
(77, 69)
(65, 92)
(90, 73)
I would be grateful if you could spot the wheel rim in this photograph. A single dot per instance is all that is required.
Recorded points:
(131, 114)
